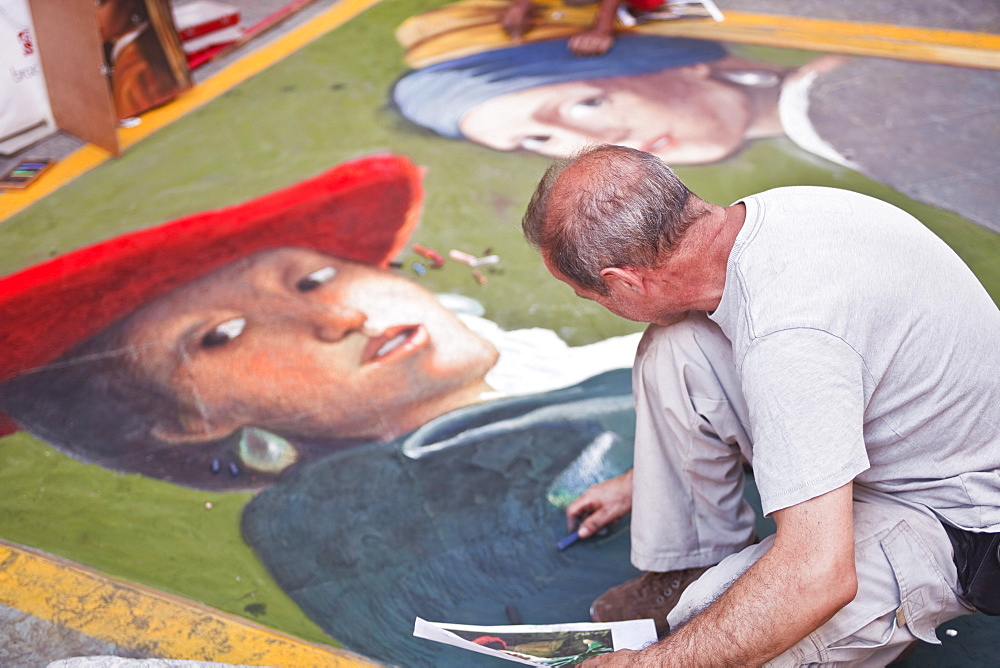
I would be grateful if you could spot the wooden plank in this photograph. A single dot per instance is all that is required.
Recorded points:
(72, 55)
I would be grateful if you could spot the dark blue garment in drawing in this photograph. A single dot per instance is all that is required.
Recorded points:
(453, 522)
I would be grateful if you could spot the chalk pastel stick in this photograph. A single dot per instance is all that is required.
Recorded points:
(568, 540)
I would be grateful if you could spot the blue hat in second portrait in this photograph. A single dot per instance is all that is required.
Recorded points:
(438, 96)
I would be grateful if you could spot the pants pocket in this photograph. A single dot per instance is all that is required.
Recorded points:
(902, 596)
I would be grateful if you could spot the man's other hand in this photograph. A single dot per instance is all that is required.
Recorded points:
(600, 505)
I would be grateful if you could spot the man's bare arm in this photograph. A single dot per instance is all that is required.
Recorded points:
(800, 583)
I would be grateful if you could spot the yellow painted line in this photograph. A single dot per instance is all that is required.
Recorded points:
(142, 618)
(950, 47)
(89, 156)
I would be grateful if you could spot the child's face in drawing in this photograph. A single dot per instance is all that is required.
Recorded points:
(304, 344)
(681, 115)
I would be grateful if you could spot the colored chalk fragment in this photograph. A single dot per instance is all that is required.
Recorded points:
(430, 254)
(461, 256)
(419, 269)
(568, 540)
(512, 614)
(479, 277)
(488, 259)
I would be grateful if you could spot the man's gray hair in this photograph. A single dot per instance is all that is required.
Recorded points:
(629, 212)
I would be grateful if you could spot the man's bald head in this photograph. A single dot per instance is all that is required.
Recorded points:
(610, 206)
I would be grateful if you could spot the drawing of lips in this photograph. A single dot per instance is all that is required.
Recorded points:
(658, 144)
(394, 343)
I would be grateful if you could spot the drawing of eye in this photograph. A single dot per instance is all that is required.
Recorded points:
(585, 108)
(223, 333)
(316, 279)
(534, 142)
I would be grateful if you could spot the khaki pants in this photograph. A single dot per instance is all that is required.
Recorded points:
(689, 510)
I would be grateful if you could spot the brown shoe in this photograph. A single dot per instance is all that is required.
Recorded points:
(649, 596)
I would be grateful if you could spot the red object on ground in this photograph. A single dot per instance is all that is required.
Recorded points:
(200, 17)
(257, 29)
(645, 5)
(205, 28)
(430, 254)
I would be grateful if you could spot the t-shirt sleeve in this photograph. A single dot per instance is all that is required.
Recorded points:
(805, 391)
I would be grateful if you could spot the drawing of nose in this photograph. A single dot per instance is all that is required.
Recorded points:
(332, 323)
(566, 138)
(607, 134)
(600, 128)
(557, 141)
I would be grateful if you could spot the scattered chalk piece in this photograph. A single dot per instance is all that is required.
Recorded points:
(487, 259)
(461, 256)
(430, 254)
(568, 540)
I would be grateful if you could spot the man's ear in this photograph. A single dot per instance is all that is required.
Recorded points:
(623, 279)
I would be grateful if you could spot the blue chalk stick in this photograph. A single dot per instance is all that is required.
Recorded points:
(567, 541)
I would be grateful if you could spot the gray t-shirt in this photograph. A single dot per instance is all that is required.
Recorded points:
(867, 350)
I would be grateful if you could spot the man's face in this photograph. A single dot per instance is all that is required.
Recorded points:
(620, 305)
(626, 302)
(681, 115)
(305, 344)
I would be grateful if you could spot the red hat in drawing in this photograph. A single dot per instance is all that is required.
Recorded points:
(363, 210)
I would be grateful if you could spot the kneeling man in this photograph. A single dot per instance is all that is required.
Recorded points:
(844, 351)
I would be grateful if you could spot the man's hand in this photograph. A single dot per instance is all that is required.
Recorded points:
(623, 658)
(600, 505)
